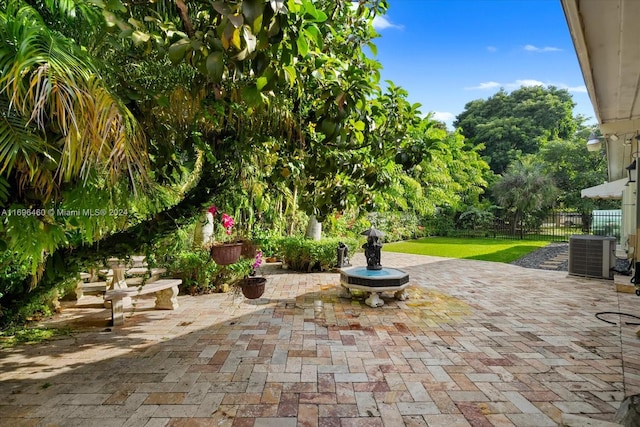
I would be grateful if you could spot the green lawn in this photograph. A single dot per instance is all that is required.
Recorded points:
(482, 249)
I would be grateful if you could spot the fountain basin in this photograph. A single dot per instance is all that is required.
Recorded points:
(384, 278)
(374, 282)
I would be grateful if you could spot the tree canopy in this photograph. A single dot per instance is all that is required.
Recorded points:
(524, 189)
(573, 169)
(123, 121)
(517, 123)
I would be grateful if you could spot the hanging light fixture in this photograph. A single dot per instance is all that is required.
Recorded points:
(593, 142)
(633, 171)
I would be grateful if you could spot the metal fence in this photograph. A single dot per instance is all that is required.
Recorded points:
(557, 226)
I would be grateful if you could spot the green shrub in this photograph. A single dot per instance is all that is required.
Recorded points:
(307, 255)
(395, 225)
(195, 269)
(346, 224)
(200, 274)
(20, 301)
(13, 274)
(267, 244)
(166, 251)
(440, 224)
(475, 218)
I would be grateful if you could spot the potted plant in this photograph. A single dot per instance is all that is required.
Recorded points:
(252, 286)
(225, 252)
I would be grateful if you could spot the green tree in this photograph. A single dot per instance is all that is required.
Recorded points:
(521, 122)
(432, 170)
(64, 134)
(524, 190)
(573, 169)
(60, 123)
(209, 84)
(263, 107)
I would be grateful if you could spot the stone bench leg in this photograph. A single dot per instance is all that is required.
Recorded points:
(117, 311)
(118, 282)
(79, 291)
(167, 299)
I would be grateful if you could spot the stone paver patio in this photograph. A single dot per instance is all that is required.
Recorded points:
(478, 343)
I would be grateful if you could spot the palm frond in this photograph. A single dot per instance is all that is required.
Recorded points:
(4, 191)
(18, 141)
(50, 85)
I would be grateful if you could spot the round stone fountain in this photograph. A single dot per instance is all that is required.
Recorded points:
(374, 278)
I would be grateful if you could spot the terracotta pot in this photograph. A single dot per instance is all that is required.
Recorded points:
(227, 253)
(253, 287)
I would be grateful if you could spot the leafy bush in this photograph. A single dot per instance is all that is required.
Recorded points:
(166, 251)
(475, 218)
(200, 274)
(12, 274)
(196, 269)
(395, 225)
(347, 224)
(20, 302)
(440, 224)
(307, 255)
(268, 245)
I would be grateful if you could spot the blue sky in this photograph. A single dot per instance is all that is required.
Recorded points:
(446, 53)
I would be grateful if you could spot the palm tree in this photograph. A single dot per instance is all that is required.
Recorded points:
(58, 122)
(523, 189)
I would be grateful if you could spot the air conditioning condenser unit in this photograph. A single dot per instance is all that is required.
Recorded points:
(592, 256)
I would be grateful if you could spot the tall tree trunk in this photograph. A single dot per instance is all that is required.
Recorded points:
(514, 223)
(314, 228)
(294, 205)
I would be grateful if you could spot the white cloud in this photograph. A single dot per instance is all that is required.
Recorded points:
(525, 82)
(381, 23)
(492, 49)
(577, 89)
(532, 48)
(443, 116)
(484, 85)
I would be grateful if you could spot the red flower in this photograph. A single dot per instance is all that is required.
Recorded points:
(227, 223)
(226, 220)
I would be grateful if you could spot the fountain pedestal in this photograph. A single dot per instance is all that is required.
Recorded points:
(375, 281)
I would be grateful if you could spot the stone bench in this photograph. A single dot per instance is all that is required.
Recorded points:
(90, 288)
(134, 276)
(166, 291)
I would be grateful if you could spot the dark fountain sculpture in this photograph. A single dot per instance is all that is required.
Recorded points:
(372, 248)
(342, 254)
(374, 278)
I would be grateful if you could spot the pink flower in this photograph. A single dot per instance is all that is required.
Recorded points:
(258, 260)
(226, 220)
(256, 263)
(227, 223)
